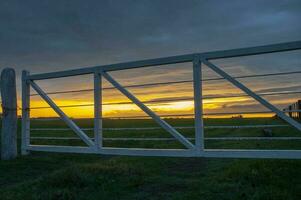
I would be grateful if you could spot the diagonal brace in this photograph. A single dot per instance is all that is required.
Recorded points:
(252, 94)
(143, 107)
(64, 117)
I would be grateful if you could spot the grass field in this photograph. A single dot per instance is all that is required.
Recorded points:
(81, 176)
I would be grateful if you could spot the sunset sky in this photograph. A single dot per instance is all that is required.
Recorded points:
(47, 36)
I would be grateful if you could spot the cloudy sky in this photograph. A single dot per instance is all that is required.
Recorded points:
(46, 36)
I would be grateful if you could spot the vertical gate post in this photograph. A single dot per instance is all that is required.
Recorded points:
(198, 105)
(9, 110)
(25, 113)
(299, 108)
(97, 110)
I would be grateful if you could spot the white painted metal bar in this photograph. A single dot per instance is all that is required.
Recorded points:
(198, 105)
(252, 94)
(149, 152)
(217, 153)
(63, 116)
(289, 46)
(249, 51)
(115, 151)
(236, 138)
(25, 113)
(114, 67)
(97, 110)
(253, 138)
(161, 122)
(250, 153)
(61, 149)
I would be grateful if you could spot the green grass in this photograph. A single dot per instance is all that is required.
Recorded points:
(81, 176)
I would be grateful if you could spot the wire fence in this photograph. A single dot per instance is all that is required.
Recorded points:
(158, 101)
(172, 115)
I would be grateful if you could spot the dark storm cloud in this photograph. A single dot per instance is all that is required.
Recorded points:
(44, 36)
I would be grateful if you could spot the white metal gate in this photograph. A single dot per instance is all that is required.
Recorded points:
(195, 149)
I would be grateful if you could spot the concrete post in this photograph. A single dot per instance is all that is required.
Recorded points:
(9, 109)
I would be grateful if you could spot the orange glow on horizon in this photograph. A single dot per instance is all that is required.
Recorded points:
(177, 108)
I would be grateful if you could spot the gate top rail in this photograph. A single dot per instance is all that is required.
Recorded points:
(265, 49)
